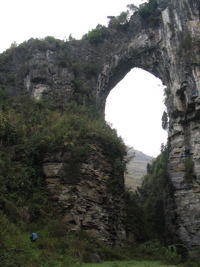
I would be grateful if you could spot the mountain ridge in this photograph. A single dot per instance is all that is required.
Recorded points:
(136, 168)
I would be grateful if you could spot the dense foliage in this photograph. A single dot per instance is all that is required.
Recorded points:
(30, 130)
(149, 13)
(165, 121)
(152, 195)
(97, 35)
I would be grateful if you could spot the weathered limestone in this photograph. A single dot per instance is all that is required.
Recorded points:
(87, 203)
(169, 51)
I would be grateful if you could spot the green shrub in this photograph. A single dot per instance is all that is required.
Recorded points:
(171, 256)
(89, 69)
(149, 13)
(134, 219)
(167, 94)
(10, 77)
(123, 17)
(189, 168)
(151, 196)
(165, 122)
(115, 182)
(120, 22)
(98, 35)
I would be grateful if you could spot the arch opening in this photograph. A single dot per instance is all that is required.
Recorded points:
(134, 107)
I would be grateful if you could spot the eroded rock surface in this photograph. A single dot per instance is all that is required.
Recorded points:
(86, 202)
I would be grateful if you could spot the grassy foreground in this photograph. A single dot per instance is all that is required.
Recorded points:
(126, 264)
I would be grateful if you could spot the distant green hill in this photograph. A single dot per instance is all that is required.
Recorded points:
(136, 169)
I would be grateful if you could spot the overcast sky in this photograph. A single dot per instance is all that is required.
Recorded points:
(135, 105)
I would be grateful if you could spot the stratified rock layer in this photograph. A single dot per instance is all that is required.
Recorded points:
(168, 50)
(86, 202)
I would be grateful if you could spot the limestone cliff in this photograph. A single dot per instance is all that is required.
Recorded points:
(88, 203)
(165, 44)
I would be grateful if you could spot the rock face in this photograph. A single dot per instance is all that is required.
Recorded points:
(86, 202)
(166, 46)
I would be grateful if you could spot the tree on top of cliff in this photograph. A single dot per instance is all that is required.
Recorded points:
(96, 35)
(149, 13)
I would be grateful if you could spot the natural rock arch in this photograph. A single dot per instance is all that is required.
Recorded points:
(170, 51)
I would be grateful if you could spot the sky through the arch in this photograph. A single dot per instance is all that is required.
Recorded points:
(23, 19)
(135, 107)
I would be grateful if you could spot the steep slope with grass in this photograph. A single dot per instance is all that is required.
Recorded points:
(66, 161)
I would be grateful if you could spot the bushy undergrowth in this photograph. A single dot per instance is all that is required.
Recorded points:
(30, 130)
(56, 246)
(149, 13)
(152, 195)
(97, 36)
